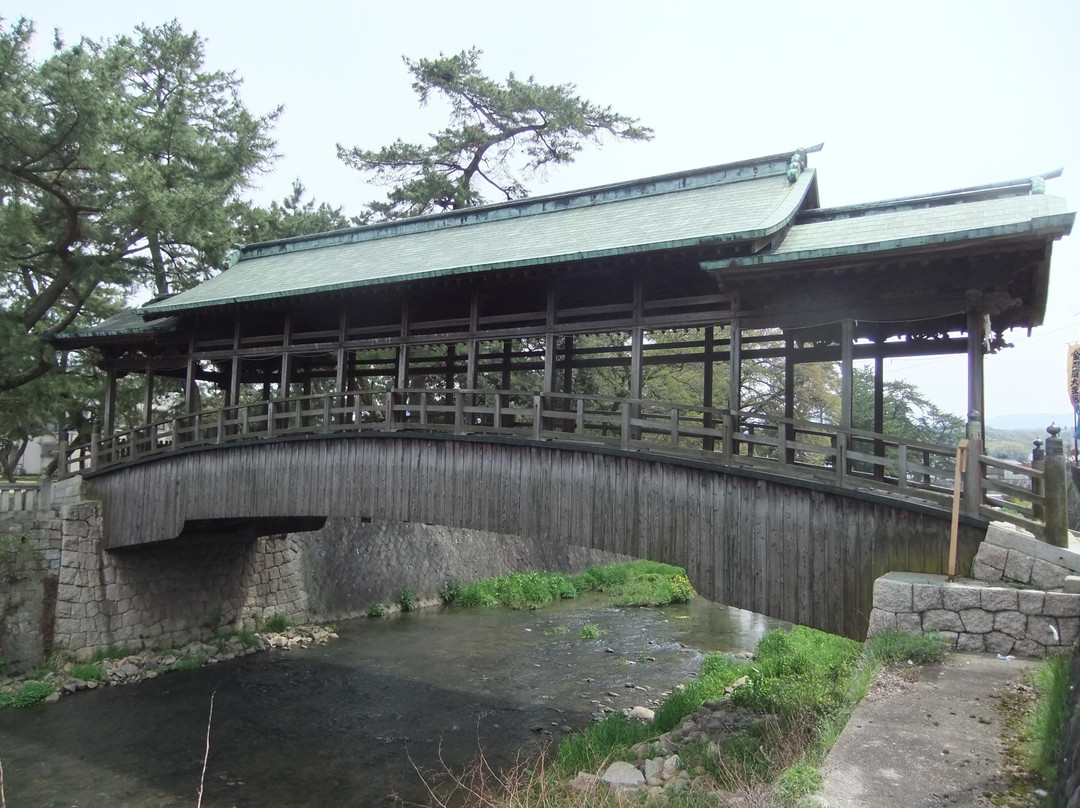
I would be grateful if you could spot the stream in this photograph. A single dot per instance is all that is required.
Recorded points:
(367, 719)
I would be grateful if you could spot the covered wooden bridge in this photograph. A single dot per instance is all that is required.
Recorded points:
(675, 315)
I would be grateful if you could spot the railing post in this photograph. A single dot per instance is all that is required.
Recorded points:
(95, 449)
(62, 456)
(538, 414)
(973, 495)
(269, 417)
(1038, 487)
(841, 458)
(459, 414)
(624, 432)
(326, 413)
(496, 415)
(388, 416)
(423, 409)
(728, 424)
(781, 444)
(674, 426)
(220, 426)
(1055, 481)
(901, 465)
(580, 427)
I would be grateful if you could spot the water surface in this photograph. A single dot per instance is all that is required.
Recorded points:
(350, 723)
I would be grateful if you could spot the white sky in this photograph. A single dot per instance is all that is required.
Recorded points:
(909, 98)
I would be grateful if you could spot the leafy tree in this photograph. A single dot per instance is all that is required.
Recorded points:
(499, 136)
(908, 413)
(120, 165)
(293, 216)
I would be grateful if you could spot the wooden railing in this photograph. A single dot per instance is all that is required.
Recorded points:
(846, 458)
(19, 497)
(1019, 504)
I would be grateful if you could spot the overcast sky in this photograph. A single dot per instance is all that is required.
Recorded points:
(908, 97)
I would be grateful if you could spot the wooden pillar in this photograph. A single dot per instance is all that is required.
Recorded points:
(879, 407)
(189, 385)
(847, 370)
(403, 347)
(549, 341)
(735, 367)
(708, 356)
(473, 361)
(789, 396)
(451, 362)
(975, 365)
(286, 364)
(568, 366)
(108, 415)
(148, 397)
(340, 376)
(637, 345)
(507, 347)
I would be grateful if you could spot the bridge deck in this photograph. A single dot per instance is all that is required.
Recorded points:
(847, 459)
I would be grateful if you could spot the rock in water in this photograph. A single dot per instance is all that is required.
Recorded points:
(641, 714)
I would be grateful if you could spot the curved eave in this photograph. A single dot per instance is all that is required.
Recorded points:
(775, 222)
(1054, 227)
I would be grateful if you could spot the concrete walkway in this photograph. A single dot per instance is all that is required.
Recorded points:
(929, 742)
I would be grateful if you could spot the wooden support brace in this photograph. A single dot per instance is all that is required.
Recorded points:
(954, 525)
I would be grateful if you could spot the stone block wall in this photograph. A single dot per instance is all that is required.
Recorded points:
(168, 593)
(29, 563)
(1011, 555)
(975, 615)
(348, 565)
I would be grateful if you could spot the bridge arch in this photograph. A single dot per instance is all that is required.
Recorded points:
(801, 551)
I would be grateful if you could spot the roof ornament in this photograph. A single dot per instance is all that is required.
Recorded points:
(798, 163)
(1038, 185)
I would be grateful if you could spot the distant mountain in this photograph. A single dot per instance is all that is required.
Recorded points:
(1037, 421)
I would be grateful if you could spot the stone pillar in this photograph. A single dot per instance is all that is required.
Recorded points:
(1055, 480)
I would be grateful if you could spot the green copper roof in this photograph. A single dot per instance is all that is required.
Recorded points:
(739, 201)
(907, 223)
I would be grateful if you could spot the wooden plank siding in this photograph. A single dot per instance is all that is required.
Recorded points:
(804, 554)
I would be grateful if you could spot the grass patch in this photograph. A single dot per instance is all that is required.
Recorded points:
(518, 590)
(29, 694)
(190, 663)
(607, 739)
(897, 648)
(377, 610)
(406, 599)
(114, 652)
(277, 622)
(589, 632)
(1045, 730)
(88, 671)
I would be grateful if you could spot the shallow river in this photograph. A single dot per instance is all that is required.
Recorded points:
(337, 725)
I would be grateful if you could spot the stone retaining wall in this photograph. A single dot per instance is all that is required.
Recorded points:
(349, 564)
(1011, 555)
(976, 616)
(168, 593)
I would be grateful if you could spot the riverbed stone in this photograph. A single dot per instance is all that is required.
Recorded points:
(622, 775)
(653, 771)
(640, 713)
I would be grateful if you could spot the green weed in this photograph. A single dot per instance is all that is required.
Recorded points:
(897, 648)
(277, 623)
(88, 671)
(29, 694)
(449, 593)
(604, 740)
(406, 599)
(377, 610)
(1045, 730)
(589, 632)
(518, 590)
(797, 781)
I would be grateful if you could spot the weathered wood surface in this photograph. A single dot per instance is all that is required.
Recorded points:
(806, 553)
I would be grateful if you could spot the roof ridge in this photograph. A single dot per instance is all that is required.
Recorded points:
(723, 173)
